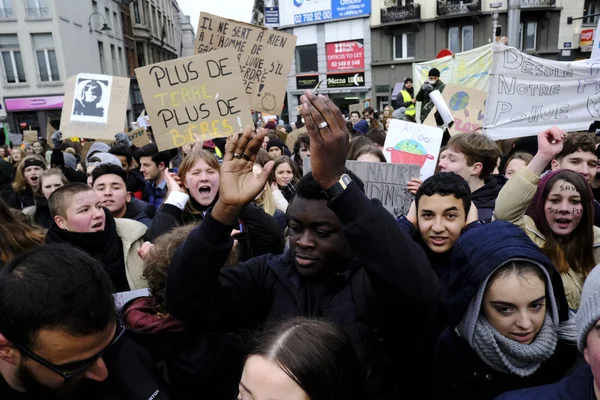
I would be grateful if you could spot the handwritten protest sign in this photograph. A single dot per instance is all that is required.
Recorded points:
(528, 94)
(293, 136)
(94, 105)
(30, 136)
(202, 94)
(383, 181)
(139, 137)
(467, 107)
(408, 143)
(264, 55)
(356, 107)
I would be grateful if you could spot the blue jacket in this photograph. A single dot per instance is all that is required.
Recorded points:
(458, 370)
(577, 386)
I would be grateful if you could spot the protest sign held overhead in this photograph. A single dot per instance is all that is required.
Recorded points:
(529, 94)
(202, 94)
(139, 137)
(30, 136)
(95, 105)
(467, 107)
(383, 181)
(264, 56)
(409, 143)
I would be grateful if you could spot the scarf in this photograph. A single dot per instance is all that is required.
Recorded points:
(509, 356)
(140, 316)
(104, 246)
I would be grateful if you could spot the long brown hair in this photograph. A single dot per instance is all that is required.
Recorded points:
(288, 161)
(16, 236)
(188, 163)
(20, 182)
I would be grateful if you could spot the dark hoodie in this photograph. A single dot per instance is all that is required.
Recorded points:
(135, 212)
(458, 370)
(484, 198)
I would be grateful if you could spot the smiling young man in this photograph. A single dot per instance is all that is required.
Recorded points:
(81, 221)
(60, 337)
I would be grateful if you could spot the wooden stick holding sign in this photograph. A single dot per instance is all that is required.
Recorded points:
(200, 95)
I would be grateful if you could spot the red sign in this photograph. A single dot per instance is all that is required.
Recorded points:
(586, 38)
(342, 56)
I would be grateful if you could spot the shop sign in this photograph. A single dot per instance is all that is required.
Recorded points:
(342, 56)
(346, 80)
(306, 81)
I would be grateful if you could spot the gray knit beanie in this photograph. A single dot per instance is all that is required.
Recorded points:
(70, 160)
(589, 310)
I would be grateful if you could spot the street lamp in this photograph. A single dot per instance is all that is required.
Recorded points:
(104, 28)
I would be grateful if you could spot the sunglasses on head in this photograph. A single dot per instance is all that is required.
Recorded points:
(68, 371)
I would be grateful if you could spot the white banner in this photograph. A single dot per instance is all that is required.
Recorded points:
(528, 94)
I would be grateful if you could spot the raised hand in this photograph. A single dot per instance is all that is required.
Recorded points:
(328, 138)
(173, 182)
(550, 141)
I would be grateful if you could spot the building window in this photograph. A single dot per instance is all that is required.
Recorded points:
(528, 35)
(467, 38)
(404, 46)
(120, 53)
(460, 38)
(591, 7)
(113, 58)
(45, 56)
(101, 54)
(6, 9)
(11, 59)
(136, 12)
(306, 59)
(37, 8)
(454, 39)
(117, 25)
(140, 54)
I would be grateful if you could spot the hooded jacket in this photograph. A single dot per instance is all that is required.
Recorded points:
(484, 198)
(136, 210)
(512, 205)
(459, 371)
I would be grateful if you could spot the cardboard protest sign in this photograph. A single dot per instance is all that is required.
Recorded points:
(409, 143)
(529, 94)
(94, 105)
(139, 137)
(30, 136)
(356, 107)
(383, 181)
(467, 107)
(202, 94)
(264, 55)
(292, 137)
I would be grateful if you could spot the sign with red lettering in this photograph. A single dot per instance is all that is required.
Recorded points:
(586, 39)
(342, 56)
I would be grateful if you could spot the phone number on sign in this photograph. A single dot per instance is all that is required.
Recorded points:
(312, 17)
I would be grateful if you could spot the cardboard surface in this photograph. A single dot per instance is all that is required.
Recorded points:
(202, 94)
(264, 56)
(30, 136)
(467, 107)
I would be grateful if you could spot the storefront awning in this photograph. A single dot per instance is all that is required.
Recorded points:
(397, 88)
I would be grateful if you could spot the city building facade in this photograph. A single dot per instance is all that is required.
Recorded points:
(188, 36)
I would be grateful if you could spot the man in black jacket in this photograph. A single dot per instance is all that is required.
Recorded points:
(348, 262)
(60, 336)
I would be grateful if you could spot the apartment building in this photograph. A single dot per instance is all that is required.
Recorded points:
(188, 35)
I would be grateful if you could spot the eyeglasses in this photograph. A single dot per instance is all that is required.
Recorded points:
(70, 370)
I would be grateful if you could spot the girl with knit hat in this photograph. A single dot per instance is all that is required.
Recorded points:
(506, 304)
(556, 212)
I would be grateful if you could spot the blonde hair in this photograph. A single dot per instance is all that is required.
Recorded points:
(188, 163)
(20, 182)
(265, 200)
(46, 174)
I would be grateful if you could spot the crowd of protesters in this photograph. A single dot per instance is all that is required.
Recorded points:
(244, 277)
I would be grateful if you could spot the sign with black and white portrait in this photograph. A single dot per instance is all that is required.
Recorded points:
(91, 98)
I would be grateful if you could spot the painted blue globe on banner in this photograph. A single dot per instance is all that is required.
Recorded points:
(298, 3)
(459, 101)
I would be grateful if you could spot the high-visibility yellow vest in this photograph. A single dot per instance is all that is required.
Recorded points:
(411, 110)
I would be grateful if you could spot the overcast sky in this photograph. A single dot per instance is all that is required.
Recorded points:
(240, 10)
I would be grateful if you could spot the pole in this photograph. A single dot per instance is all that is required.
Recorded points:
(514, 23)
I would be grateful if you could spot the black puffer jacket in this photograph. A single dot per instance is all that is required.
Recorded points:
(484, 198)
(374, 298)
(459, 372)
(18, 200)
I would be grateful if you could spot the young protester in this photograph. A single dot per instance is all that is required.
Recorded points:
(441, 210)
(515, 163)
(276, 148)
(99, 159)
(556, 212)
(194, 362)
(16, 155)
(26, 181)
(183, 151)
(330, 368)
(370, 153)
(266, 201)
(283, 181)
(301, 151)
(135, 180)
(372, 118)
(4, 153)
(49, 181)
(355, 117)
(154, 165)
(377, 136)
(81, 221)
(506, 304)
(342, 265)
(109, 183)
(434, 83)
(406, 106)
(16, 236)
(473, 156)
(41, 148)
(584, 382)
(357, 144)
(60, 337)
(199, 175)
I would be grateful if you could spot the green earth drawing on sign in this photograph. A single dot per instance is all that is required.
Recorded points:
(411, 146)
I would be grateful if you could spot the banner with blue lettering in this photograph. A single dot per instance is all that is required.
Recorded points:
(293, 12)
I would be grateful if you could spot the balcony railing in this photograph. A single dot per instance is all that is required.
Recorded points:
(537, 3)
(449, 7)
(400, 13)
(42, 12)
(6, 13)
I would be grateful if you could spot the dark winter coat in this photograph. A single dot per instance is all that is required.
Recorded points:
(40, 213)
(137, 210)
(577, 386)
(484, 198)
(388, 283)
(460, 373)
(6, 174)
(18, 200)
